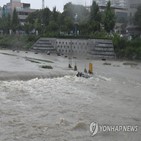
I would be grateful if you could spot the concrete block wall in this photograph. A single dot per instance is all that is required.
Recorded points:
(88, 48)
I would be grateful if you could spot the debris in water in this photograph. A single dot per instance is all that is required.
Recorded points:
(46, 67)
(106, 63)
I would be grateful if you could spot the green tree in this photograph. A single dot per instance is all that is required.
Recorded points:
(109, 18)
(53, 26)
(67, 25)
(39, 20)
(95, 18)
(120, 45)
(45, 16)
(137, 17)
(9, 21)
(32, 16)
(95, 13)
(68, 21)
(55, 15)
(55, 21)
(84, 29)
(15, 21)
(70, 10)
(28, 27)
(5, 23)
(37, 24)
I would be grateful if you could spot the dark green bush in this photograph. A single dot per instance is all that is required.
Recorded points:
(32, 38)
(127, 49)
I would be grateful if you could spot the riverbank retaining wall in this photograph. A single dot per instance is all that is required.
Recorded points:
(88, 48)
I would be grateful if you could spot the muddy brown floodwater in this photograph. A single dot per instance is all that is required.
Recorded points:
(61, 108)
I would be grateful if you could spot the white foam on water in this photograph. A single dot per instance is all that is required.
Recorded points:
(54, 109)
(104, 78)
(56, 98)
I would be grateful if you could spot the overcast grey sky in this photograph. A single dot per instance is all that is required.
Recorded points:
(37, 4)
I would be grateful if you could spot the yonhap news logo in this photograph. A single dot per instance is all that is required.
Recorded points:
(97, 128)
(94, 128)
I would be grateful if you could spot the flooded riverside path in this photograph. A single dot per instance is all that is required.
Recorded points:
(62, 108)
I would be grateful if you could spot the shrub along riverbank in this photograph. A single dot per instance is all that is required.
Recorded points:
(127, 49)
(21, 42)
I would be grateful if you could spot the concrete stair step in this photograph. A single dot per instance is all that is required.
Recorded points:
(44, 44)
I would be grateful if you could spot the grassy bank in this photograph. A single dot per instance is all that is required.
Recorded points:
(24, 42)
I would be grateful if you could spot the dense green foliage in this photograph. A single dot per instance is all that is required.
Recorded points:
(54, 23)
(109, 18)
(74, 20)
(124, 48)
(17, 42)
(95, 18)
(7, 22)
(15, 21)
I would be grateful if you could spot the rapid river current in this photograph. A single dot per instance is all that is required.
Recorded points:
(62, 109)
